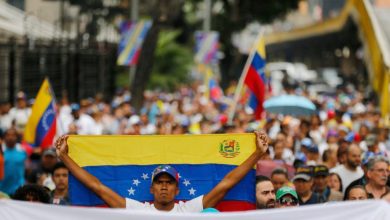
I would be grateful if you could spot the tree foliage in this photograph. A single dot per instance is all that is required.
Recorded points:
(172, 62)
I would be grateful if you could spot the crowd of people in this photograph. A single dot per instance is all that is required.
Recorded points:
(339, 153)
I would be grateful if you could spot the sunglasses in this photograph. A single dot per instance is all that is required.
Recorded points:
(288, 201)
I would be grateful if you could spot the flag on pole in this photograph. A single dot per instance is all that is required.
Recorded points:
(133, 35)
(206, 47)
(255, 80)
(214, 91)
(41, 126)
(125, 164)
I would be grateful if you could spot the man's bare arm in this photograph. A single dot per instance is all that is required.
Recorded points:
(233, 177)
(106, 194)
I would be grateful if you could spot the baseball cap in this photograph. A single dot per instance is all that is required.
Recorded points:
(49, 152)
(75, 107)
(303, 172)
(321, 170)
(367, 156)
(312, 148)
(370, 140)
(306, 142)
(285, 190)
(165, 169)
(21, 95)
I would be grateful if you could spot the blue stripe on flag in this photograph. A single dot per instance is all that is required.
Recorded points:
(133, 181)
(139, 41)
(45, 123)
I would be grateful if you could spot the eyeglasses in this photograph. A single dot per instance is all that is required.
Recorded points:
(381, 170)
(288, 201)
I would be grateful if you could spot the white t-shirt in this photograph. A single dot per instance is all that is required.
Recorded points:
(193, 205)
(347, 176)
(86, 125)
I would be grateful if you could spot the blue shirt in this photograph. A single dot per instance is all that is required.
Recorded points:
(14, 159)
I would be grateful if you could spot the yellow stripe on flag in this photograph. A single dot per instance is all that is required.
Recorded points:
(41, 103)
(260, 47)
(130, 45)
(161, 149)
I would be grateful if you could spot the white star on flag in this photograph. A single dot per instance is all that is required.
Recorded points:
(131, 191)
(145, 176)
(192, 191)
(178, 174)
(136, 182)
(186, 182)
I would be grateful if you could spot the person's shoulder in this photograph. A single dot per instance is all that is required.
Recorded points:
(336, 169)
(136, 205)
(193, 205)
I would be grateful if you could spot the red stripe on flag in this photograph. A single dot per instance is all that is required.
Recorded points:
(134, 60)
(48, 139)
(256, 85)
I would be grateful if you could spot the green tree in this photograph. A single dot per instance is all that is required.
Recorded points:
(172, 62)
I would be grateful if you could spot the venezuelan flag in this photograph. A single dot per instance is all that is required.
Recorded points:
(125, 164)
(41, 126)
(130, 44)
(255, 79)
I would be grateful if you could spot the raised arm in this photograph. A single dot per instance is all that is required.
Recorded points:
(233, 177)
(106, 194)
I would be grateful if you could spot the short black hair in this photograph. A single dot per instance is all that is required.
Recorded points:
(59, 165)
(261, 178)
(280, 170)
(33, 191)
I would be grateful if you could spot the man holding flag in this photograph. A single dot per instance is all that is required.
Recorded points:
(164, 183)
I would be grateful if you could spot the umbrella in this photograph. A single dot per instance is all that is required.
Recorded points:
(290, 105)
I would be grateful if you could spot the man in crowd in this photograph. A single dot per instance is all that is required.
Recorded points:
(350, 170)
(279, 178)
(377, 174)
(20, 113)
(303, 182)
(321, 176)
(265, 193)
(14, 159)
(60, 174)
(286, 197)
(164, 183)
(32, 193)
(42, 173)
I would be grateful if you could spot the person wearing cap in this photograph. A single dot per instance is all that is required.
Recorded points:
(164, 185)
(350, 170)
(286, 197)
(310, 150)
(42, 173)
(265, 193)
(303, 182)
(321, 176)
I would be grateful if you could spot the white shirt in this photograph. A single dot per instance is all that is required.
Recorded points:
(347, 176)
(20, 115)
(193, 205)
(86, 125)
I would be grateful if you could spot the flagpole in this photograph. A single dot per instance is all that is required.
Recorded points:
(242, 78)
